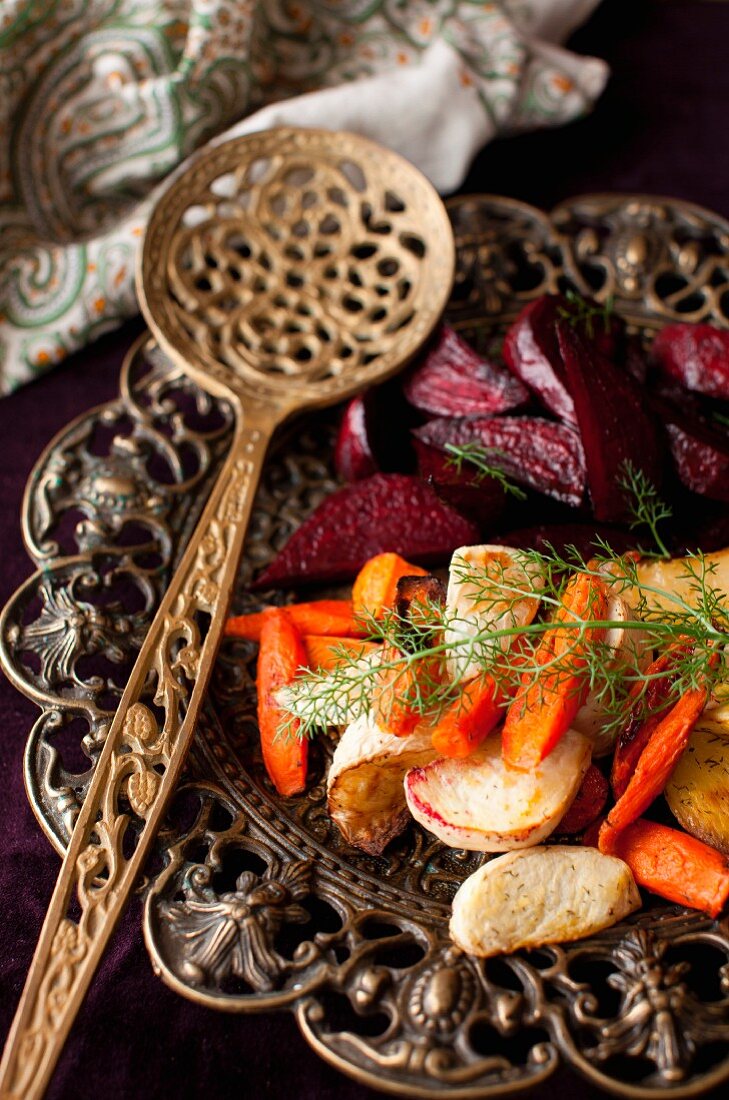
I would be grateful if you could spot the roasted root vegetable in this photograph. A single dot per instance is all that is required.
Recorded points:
(666, 744)
(540, 896)
(482, 804)
(660, 580)
(697, 356)
(384, 512)
(395, 693)
(529, 450)
(698, 791)
(531, 351)
(649, 704)
(354, 453)
(466, 722)
(365, 795)
(329, 617)
(625, 647)
(331, 700)
(324, 652)
(675, 866)
(614, 425)
(453, 380)
(484, 589)
(375, 586)
(550, 697)
(589, 803)
(280, 657)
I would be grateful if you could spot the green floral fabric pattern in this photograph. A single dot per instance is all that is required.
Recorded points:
(101, 99)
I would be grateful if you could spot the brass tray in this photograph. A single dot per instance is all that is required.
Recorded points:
(254, 902)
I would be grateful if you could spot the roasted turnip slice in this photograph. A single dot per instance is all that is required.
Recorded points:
(482, 804)
(614, 425)
(365, 795)
(386, 512)
(539, 454)
(543, 895)
(453, 380)
(697, 356)
(485, 589)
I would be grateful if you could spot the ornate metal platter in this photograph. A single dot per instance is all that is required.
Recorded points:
(259, 904)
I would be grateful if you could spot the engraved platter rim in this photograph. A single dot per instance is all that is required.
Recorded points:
(238, 870)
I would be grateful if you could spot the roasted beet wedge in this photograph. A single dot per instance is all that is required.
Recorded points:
(531, 351)
(354, 452)
(374, 434)
(697, 356)
(700, 453)
(538, 453)
(614, 425)
(481, 499)
(453, 380)
(585, 537)
(384, 512)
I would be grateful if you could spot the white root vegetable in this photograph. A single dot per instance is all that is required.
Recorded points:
(365, 783)
(482, 804)
(330, 701)
(483, 595)
(539, 896)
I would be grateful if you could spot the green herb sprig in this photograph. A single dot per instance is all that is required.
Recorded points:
(481, 458)
(443, 644)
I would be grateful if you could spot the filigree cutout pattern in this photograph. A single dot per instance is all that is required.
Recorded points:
(295, 264)
(356, 946)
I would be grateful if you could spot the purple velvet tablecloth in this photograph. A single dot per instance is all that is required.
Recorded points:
(661, 127)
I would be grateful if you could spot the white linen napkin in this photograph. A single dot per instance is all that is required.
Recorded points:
(101, 99)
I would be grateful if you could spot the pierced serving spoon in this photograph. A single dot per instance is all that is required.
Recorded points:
(283, 271)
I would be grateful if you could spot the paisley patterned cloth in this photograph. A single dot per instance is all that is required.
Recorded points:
(101, 99)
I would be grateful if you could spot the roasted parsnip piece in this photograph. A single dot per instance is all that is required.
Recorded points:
(484, 594)
(365, 784)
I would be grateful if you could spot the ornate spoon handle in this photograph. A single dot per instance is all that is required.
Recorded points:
(137, 771)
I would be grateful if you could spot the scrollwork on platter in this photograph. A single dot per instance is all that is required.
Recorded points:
(260, 904)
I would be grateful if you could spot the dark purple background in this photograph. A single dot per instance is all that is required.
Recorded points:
(660, 127)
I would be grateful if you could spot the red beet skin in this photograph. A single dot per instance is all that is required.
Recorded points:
(531, 351)
(702, 465)
(481, 499)
(453, 380)
(537, 453)
(387, 512)
(614, 426)
(561, 536)
(697, 356)
(354, 456)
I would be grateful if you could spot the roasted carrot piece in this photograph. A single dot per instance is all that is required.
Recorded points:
(638, 730)
(675, 866)
(330, 617)
(657, 761)
(324, 653)
(547, 701)
(467, 721)
(392, 694)
(281, 655)
(375, 586)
